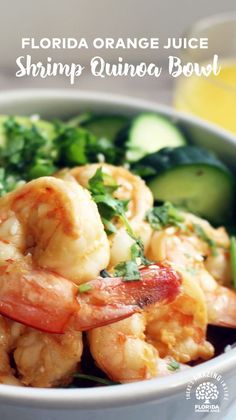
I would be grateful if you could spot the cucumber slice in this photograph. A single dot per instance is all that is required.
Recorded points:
(105, 126)
(194, 179)
(149, 133)
(45, 127)
(170, 157)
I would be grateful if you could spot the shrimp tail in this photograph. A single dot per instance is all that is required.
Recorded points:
(112, 299)
(35, 297)
(48, 302)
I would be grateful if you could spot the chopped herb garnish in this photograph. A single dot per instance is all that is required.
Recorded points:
(167, 215)
(78, 146)
(137, 251)
(128, 270)
(29, 149)
(95, 379)
(173, 365)
(85, 288)
(102, 188)
(28, 152)
(163, 216)
(233, 258)
(73, 144)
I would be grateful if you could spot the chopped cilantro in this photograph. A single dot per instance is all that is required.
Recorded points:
(164, 216)
(85, 288)
(137, 251)
(27, 153)
(173, 365)
(8, 182)
(167, 215)
(78, 146)
(128, 270)
(102, 188)
(73, 144)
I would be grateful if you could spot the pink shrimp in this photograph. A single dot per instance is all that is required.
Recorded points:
(48, 302)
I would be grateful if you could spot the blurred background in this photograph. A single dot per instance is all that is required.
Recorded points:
(101, 18)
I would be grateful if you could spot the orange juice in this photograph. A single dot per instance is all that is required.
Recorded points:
(212, 98)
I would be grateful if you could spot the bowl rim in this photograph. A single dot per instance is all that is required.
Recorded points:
(125, 394)
(115, 396)
(37, 95)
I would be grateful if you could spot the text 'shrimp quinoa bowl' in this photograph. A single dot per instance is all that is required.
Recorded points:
(102, 68)
(117, 259)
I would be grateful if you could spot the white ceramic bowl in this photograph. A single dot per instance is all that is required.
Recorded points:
(163, 398)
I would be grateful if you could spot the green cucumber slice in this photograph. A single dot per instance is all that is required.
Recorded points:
(170, 157)
(149, 133)
(194, 179)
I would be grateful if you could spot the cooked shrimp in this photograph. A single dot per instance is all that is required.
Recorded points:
(47, 360)
(190, 253)
(179, 329)
(51, 303)
(132, 188)
(141, 346)
(48, 210)
(221, 301)
(40, 359)
(121, 352)
(59, 224)
(8, 335)
(217, 263)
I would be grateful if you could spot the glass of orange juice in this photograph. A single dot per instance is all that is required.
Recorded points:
(212, 98)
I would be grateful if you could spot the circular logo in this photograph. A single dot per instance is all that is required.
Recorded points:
(207, 391)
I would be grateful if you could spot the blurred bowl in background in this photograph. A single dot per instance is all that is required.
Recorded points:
(212, 98)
